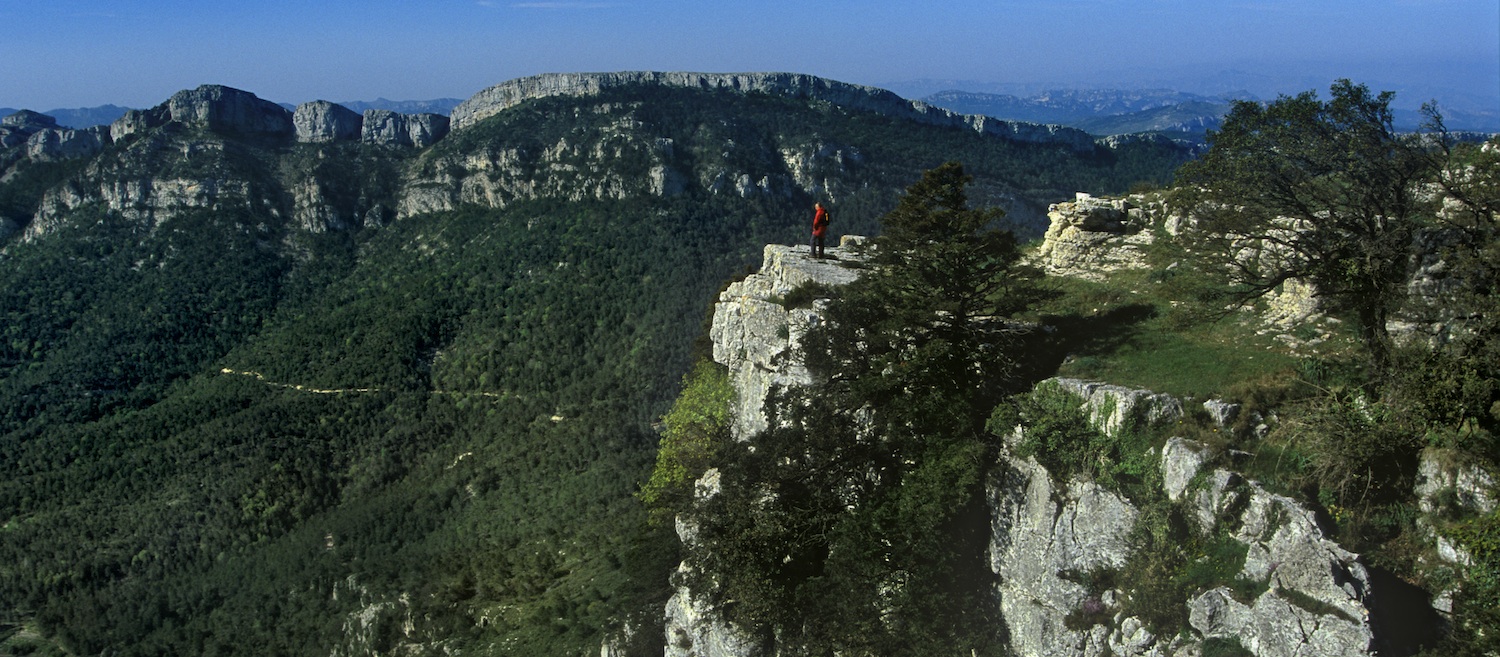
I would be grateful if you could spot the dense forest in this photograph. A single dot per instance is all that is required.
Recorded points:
(225, 432)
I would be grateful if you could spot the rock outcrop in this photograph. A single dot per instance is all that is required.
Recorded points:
(211, 107)
(1050, 536)
(321, 121)
(500, 97)
(1043, 531)
(220, 108)
(16, 128)
(387, 127)
(757, 338)
(66, 143)
(1090, 237)
(1317, 595)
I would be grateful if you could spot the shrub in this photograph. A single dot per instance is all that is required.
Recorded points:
(696, 425)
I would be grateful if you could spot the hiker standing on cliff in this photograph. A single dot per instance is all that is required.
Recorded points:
(820, 229)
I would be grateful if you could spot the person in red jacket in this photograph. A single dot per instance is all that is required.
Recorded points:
(820, 229)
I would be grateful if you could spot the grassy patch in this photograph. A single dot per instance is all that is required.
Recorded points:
(1129, 331)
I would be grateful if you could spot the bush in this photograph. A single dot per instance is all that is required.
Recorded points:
(1061, 438)
(696, 425)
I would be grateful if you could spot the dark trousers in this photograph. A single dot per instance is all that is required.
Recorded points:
(817, 245)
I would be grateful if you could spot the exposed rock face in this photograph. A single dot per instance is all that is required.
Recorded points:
(1110, 407)
(759, 339)
(16, 128)
(142, 200)
(135, 122)
(1090, 237)
(495, 99)
(220, 108)
(1048, 535)
(419, 130)
(1466, 485)
(1041, 532)
(1318, 596)
(209, 107)
(66, 143)
(321, 121)
(27, 118)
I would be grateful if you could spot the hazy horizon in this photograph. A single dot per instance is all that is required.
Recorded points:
(88, 53)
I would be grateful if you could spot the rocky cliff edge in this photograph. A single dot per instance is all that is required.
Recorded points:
(1312, 597)
(505, 95)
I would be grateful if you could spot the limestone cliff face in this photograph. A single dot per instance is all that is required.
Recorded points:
(495, 99)
(758, 339)
(387, 127)
(1316, 597)
(321, 121)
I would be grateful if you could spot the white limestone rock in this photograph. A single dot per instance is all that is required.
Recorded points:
(1038, 532)
(418, 130)
(1468, 484)
(1110, 407)
(758, 338)
(1091, 237)
(320, 121)
(1180, 461)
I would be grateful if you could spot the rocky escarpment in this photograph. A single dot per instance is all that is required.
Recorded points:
(1296, 593)
(38, 137)
(500, 97)
(757, 337)
(321, 121)
(209, 107)
(387, 127)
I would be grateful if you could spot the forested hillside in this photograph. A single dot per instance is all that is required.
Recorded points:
(253, 401)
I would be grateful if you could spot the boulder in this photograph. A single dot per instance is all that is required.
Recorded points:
(321, 121)
(1180, 461)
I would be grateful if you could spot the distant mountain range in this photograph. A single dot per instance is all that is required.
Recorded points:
(1096, 111)
(1176, 113)
(85, 117)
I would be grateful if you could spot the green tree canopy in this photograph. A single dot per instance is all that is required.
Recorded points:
(1322, 191)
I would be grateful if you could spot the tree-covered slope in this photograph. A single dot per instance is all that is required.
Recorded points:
(253, 400)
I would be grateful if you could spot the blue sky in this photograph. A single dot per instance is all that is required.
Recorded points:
(79, 53)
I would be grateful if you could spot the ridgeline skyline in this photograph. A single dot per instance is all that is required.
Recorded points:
(88, 53)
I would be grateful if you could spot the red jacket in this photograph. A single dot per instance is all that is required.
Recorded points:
(820, 222)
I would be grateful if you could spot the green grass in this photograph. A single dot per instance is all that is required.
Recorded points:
(1127, 331)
